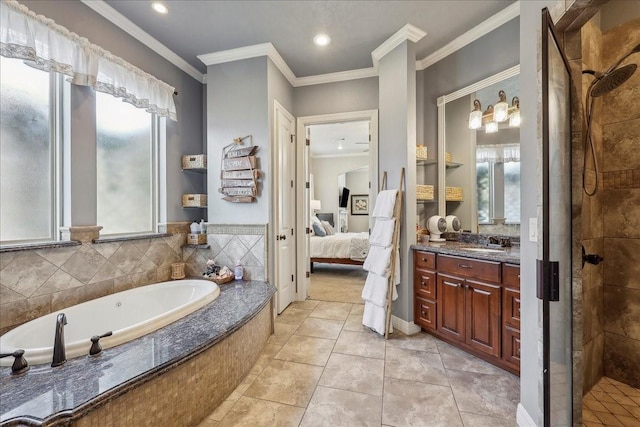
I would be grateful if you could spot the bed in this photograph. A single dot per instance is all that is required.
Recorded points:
(340, 248)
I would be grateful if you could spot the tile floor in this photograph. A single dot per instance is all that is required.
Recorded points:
(321, 367)
(611, 403)
(337, 282)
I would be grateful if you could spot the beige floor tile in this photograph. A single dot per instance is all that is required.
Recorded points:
(415, 366)
(261, 363)
(261, 413)
(357, 309)
(242, 387)
(483, 394)
(354, 373)
(329, 291)
(305, 305)
(286, 382)
(365, 344)
(270, 349)
(475, 420)
(331, 310)
(282, 333)
(608, 419)
(332, 407)
(354, 323)
(207, 422)
(412, 403)
(222, 410)
(420, 341)
(321, 328)
(301, 349)
(459, 360)
(292, 316)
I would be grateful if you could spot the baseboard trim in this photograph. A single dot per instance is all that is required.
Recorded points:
(523, 418)
(407, 328)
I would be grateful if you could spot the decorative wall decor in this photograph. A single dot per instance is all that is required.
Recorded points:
(238, 173)
(360, 204)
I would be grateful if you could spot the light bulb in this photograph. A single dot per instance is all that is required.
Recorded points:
(501, 109)
(475, 117)
(514, 119)
(491, 127)
(321, 40)
(160, 8)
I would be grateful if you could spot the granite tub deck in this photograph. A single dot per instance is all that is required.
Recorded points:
(509, 255)
(84, 388)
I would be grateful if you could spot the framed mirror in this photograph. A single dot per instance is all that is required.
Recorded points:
(479, 155)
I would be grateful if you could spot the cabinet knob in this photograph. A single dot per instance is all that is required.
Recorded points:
(423, 284)
(423, 313)
(424, 259)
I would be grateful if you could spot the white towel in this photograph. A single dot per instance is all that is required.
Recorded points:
(382, 234)
(378, 260)
(385, 203)
(374, 317)
(375, 289)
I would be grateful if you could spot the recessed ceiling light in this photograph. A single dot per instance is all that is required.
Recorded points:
(321, 40)
(160, 8)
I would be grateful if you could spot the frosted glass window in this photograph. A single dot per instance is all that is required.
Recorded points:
(512, 192)
(26, 187)
(124, 167)
(483, 192)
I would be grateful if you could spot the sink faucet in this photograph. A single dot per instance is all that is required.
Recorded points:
(59, 356)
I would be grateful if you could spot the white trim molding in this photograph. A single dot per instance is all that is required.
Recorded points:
(407, 328)
(408, 32)
(143, 37)
(497, 20)
(523, 418)
(340, 76)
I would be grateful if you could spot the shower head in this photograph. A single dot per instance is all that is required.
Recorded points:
(612, 80)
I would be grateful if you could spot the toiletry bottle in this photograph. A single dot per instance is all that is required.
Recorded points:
(238, 271)
(203, 227)
(195, 228)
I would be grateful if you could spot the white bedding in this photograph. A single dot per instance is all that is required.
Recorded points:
(341, 245)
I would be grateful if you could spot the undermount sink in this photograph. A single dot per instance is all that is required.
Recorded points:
(488, 250)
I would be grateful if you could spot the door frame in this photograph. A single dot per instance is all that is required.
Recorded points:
(302, 177)
(277, 107)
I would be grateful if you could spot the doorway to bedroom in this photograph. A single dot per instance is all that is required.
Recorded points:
(340, 165)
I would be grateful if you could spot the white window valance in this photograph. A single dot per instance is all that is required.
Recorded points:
(503, 153)
(50, 47)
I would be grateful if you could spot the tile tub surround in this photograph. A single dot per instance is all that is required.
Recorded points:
(229, 243)
(509, 255)
(205, 353)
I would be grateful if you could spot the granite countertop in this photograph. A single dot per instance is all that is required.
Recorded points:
(44, 394)
(509, 255)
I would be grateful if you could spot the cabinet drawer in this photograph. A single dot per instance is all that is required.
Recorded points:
(511, 275)
(424, 260)
(511, 308)
(425, 284)
(425, 313)
(476, 269)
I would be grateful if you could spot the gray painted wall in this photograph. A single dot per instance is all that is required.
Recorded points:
(183, 137)
(397, 123)
(237, 106)
(340, 97)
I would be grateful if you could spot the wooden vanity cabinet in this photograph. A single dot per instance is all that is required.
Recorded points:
(475, 305)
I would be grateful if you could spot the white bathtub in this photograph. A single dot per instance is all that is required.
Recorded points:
(129, 315)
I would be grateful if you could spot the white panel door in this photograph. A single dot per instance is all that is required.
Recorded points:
(285, 242)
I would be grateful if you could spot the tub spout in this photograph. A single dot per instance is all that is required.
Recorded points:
(59, 356)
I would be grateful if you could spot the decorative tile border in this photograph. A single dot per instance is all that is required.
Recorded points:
(619, 180)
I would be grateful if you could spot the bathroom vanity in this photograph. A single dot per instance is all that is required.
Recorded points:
(469, 296)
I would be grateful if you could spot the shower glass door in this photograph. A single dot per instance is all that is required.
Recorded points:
(554, 269)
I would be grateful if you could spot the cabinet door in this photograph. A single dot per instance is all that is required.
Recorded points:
(425, 313)
(511, 346)
(482, 314)
(451, 306)
(425, 284)
(511, 308)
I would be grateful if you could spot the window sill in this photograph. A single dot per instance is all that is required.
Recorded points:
(130, 237)
(41, 245)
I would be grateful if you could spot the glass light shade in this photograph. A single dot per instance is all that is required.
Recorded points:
(491, 127)
(514, 119)
(500, 112)
(475, 119)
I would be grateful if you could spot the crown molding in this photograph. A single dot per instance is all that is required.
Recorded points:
(142, 36)
(340, 76)
(338, 155)
(408, 32)
(274, 55)
(497, 20)
(509, 72)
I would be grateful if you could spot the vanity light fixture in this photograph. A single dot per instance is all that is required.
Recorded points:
(160, 8)
(514, 118)
(501, 109)
(475, 117)
(321, 40)
(490, 125)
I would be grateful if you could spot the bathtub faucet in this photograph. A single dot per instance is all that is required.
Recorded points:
(59, 356)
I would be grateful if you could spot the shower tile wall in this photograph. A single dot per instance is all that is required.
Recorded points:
(37, 282)
(620, 117)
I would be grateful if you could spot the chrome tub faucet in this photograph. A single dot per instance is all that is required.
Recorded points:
(59, 356)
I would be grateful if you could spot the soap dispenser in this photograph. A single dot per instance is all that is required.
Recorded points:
(203, 227)
(195, 228)
(238, 271)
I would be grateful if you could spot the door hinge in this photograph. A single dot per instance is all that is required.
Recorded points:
(291, 138)
(291, 183)
(306, 184)
(369, 185)
(292, 277)
(308, 274)
(369, 137)
(307, 230)
(292, 231)
(307, 142)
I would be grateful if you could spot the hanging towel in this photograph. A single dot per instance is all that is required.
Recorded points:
(382, 234)
(375, 289)
(374, 317)
(378, 260)
(385, 203)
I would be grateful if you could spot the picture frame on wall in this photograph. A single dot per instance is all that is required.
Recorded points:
(360, 204)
